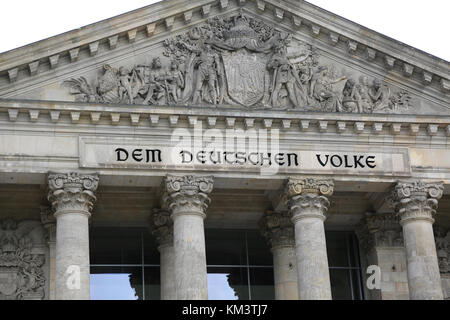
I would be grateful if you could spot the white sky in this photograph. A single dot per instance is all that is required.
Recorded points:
(422, 24)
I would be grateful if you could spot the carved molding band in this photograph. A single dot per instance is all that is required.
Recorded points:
(187, 194)
(161, 226)
(243, 62)
(22, 257)
(72, 192)
(416, 200)
(307, 197)
(278, 229)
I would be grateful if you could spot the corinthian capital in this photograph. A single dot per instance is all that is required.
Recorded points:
(187, 193)
(161, 226)
(416, 199)
(277, 228)
(308, 197)
(72, 192)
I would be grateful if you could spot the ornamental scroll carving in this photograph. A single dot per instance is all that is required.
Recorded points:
(187, 193)
(242, 62)
(416, 199)
(22, 258)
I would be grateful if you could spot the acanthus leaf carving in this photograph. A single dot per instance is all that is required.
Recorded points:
(72, 191)
(416, 199)
(242, 62)
(161, 226)
(188, 193)
(277, 228)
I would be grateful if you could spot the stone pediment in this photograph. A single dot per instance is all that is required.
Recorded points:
(222, 54)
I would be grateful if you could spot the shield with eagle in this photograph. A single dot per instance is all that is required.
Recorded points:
(246, 75)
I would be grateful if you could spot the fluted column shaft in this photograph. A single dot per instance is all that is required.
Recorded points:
(72, 197)
(415, 202)
(187, 200)
(279, 231)
(161, 226)
(307, 203)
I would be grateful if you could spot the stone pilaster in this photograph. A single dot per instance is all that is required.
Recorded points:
(307, 203)
(49, 223)
(278, 229)
(72, 198)
(161, 226)
(442, 239)
(381, 243)
(187, 199)
(415, 202)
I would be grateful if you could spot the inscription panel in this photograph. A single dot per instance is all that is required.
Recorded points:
(129, 153)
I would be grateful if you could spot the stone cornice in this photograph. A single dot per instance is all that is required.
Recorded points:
(376, 48)
(358, 124)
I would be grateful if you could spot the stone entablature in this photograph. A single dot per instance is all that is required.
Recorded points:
(378, 124)
(166, 16)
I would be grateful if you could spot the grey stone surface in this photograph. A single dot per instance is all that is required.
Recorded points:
(416, 202)
(187, 199)
(72, 198)
(307, 203)
(279, 232)
(161, 225)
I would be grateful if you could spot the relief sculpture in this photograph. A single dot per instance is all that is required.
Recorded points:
(21, 261)
(242, 62)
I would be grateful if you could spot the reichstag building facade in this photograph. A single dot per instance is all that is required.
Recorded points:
(224, 149)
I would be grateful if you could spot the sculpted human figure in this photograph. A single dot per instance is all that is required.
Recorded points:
(322, 89)
(380, 95)
(350, 101)
(364, 100)
(285, 75)
(156, 91)
(125, 84)
(174, 81)
(207, 64)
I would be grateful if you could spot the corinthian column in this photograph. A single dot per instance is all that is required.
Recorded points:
(72, 198)
(415, 202)
(278, 229)
(187, 200)
(307, 203)
(161, 226)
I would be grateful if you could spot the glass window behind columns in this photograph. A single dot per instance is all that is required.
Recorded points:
(125, 265)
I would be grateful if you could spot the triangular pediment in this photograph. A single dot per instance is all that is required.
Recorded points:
(243, 54)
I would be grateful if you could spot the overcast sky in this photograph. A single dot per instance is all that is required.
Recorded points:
(421, 24)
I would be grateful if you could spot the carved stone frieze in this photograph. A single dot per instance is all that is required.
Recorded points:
(308, 197)
(72, 191)
(243, 62)
(277, 228)
(21, 260)
(416, 199)
(187, 193)
(161, 226)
